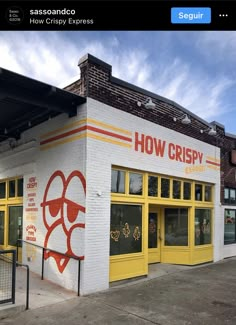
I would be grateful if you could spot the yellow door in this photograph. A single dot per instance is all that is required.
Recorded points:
(154, 235)
(2, 228)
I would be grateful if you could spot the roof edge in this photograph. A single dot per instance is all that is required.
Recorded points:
(158, 97)
(90, 58)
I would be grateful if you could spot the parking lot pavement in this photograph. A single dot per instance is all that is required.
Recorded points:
(199, 295)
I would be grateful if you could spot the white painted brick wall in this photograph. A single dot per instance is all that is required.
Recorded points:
(101, 156)
(94, 159)
(31, 162)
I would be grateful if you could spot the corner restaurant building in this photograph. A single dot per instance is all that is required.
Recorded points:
(90, 172)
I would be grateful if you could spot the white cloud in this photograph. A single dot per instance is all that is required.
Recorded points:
(52, 58)
(217, 46)
(195, 91)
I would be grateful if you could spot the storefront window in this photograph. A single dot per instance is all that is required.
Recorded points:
(202, 226)
(152, 185)
(165, 187)
(187, 191)
(152, 230)
(176, 189)
(12, 188)
(20, 187)
(2, 215)
(176, 227)
(230, 226)
(15, 224)
(208, 193)
(135, 183)
(2, 190)
(198, 192)
(126, 229)
(117, 181)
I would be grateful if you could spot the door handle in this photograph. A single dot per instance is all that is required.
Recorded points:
(159, 234)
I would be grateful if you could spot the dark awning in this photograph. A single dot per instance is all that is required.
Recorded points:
(25, 102)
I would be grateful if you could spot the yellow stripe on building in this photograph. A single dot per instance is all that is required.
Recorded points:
(213, 159)
(67, 140)
(97, 137)
(66, 127)
(108, 126)
(213, 167)
(87, 121)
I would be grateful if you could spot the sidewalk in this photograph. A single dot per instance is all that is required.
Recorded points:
(171, 295)
(41, 293)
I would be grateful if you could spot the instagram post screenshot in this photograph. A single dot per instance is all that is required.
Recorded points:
(118, 162)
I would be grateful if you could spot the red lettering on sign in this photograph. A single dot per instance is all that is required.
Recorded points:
(148, 145)
(139, 142)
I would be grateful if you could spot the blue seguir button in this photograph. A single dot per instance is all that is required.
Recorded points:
(190, 15)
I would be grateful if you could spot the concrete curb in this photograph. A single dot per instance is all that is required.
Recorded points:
(10, 310)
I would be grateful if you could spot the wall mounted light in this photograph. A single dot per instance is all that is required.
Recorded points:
(184, 119)
(210, 131)
(148, 104)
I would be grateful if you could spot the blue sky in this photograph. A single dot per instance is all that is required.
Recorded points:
(195, 69)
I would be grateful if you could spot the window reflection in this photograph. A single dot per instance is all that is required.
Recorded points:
(165, 187)
(15, 224)
(152, 185)
(176, 189)
(230, 226)
(125, 229)
(187, 191)
(135, 183)
(20, 187)
(202, 226)
(2, 190)
(198, 192)
(176, 227)
(152, 230)
(117, 181)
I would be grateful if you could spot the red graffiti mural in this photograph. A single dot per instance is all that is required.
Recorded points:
(61, 215)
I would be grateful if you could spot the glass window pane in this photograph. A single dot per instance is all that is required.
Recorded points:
(2, 215)
(208, 194)
(135, 184)
(117, 181)
(202, 226)
(226, 195)
(176, 227)
(198, 192)
(176, 189)
(152, 185)
(187, 191)
(126, 229)
(12, 188)
(2, 190)
(165, 187)
(152, 230)
(232, 195)
(20, 187)
(15, 224)
(230, 226)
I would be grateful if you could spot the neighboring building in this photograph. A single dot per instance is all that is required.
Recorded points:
(113, 174)
(228, 193)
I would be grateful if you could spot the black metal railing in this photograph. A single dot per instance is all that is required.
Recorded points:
(27, 283)
(20, 243)
(7, 276)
